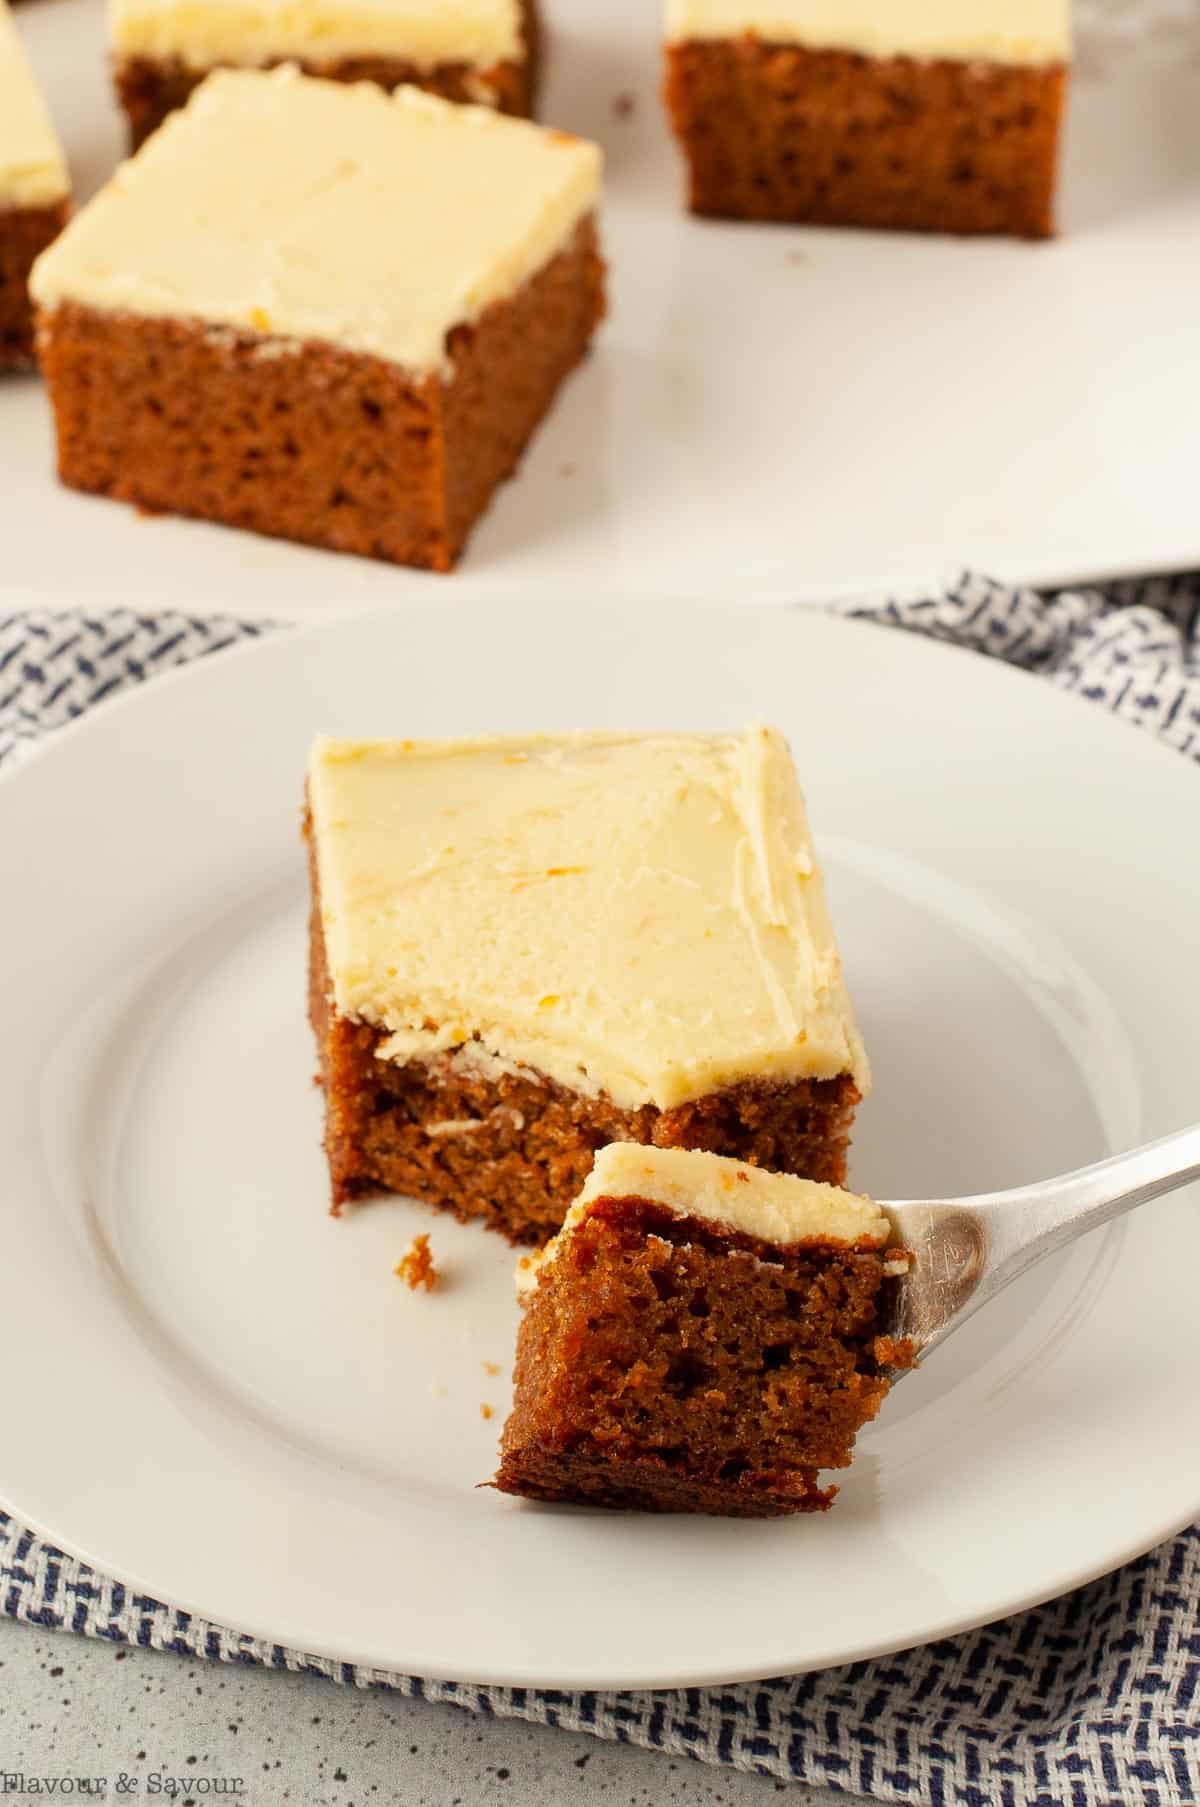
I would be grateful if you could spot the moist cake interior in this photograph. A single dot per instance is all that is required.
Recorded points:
(665, 1365)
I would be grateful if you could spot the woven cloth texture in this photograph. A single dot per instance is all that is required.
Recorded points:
(1090, 1701)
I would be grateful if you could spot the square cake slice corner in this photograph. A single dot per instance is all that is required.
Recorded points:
(526, 947)
(482, 52)
(700, 1336)
(34, 192)
(880, 113)
(322, 312)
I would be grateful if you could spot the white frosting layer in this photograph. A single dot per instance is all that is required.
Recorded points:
(995, 31)
(33, 170)
(641, 915)
(425, 32)
(773, 1207)
(315, 210)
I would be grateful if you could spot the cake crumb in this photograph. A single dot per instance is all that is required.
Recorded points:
(485, 1411)
(416, 1268)
(491, 1367)
(623, 106)
(895, 1352)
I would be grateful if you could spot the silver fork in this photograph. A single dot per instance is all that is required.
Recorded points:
(966, 1250)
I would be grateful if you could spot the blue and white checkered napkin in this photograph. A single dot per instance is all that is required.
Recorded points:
(1091, 1701)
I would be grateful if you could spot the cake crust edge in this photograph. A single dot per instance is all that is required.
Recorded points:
(150, 88)
(774, 131)
(522, 1169)
(25, 233)
(312, 441)
(628, 1393)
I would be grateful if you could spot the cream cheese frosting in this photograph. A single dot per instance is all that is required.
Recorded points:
(205, 32)
(773, 1207)
(638, 915)
(314, 210)
(33, 170)
(998, 31)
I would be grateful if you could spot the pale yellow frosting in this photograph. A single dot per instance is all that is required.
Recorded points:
(316, 210)
(995, 31)
(425, 32)
(774, 1207)
(639, 915)
(33, 170)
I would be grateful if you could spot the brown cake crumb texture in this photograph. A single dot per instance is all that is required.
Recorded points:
(527, 1159)
(24, 234)
(317, 444)
(780, 132)
(417, 1268)
(895, 1352)
(149, 88)
(667, 1364)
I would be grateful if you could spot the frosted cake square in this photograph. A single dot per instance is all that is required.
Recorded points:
(526, 947)
(322, 312)
(930, 115)
(700, 1336)
(481, 51)
(34, 192)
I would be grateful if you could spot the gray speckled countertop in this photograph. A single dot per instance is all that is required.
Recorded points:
(71, 1706)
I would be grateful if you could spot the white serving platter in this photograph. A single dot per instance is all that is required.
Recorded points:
(771, 413)
(223, 1397)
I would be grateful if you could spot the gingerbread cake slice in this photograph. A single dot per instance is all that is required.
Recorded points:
(525, 947)
(34, 192)
(700, 1336)
(886, 113)
(322, 312)
(480, 51)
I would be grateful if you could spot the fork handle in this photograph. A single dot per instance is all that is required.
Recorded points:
(974, 1247)
(1027, 1223)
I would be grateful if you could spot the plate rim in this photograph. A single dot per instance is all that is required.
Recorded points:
(266, 632)
(330, 1650)
(198, 671)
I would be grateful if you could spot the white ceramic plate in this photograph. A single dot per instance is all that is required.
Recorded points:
(770, 414)
(226, 1398)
